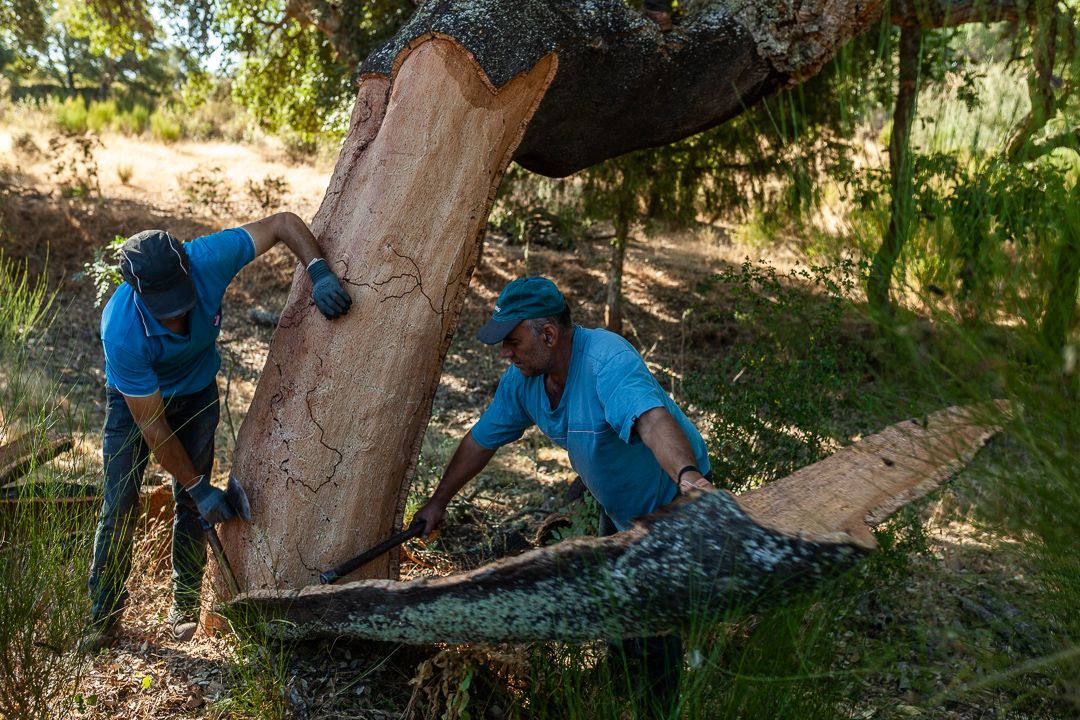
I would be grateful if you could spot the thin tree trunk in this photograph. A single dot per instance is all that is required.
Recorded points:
(1060, 311)
(613, 319)
(1040, 81)
(900, 214)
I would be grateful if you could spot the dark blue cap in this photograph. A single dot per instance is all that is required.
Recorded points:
(526, 298)
(157, 266)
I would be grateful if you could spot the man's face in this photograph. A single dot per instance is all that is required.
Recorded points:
(531, 354)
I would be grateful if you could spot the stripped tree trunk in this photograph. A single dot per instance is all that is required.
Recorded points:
(716, 552)
(338, 416)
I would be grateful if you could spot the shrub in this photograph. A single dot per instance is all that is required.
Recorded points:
(24, 148)
(44, 555)
(207, 188)
(165, 125)
(75, 167)
(134, 121)
(777, 394)
(101, 116)
(124, 171)
(104, 270)
(71, 115)
(268, 193)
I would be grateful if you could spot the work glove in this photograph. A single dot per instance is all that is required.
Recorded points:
(326, 290)
(213, 505)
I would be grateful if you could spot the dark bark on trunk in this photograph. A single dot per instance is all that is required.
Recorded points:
(699, 555)
(900, 215)
(622, 84)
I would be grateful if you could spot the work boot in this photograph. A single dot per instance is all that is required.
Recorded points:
(100, 634)
(183, 623)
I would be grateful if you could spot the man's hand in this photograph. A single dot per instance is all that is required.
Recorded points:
(432, 514)
(697, 483)
(212, 503)
(326, 290)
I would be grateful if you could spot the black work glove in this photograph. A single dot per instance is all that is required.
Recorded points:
(212, 503)
(326, 290)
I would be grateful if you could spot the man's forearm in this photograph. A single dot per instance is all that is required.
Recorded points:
(299, 239)
(170, 452)
(662, 434)
(469, 459)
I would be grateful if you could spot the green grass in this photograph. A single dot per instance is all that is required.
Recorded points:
(44, 544)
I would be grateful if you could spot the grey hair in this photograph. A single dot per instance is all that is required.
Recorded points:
(561, 321)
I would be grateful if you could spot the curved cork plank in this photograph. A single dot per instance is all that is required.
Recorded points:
(707, 553)
(863, 484)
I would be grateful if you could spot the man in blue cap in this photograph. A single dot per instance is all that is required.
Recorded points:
(159, 332)
(590, 392)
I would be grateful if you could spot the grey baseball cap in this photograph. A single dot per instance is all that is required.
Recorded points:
(157, 266)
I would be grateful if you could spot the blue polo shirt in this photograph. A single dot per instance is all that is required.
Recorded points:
(607, 389)
(142, 356)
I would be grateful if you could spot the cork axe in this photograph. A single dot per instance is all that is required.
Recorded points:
(237, 498)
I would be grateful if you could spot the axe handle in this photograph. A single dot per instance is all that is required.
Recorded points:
(335, 574)
(219, 553)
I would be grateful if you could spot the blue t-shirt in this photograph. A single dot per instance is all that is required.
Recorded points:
(607, 389)
(142, 356)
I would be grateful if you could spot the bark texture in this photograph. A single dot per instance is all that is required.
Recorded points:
(703, 554)
(338, 415)
(624, 85)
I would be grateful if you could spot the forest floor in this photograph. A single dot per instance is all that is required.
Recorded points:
(528, 481)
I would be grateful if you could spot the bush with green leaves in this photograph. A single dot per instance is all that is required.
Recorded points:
(207, 189)
(778, 392)
(104, 270)
(134, 121)
(74, 164)
(166, 125)
(71, 115)
(101, 116)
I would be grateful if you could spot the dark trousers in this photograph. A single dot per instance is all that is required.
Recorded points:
(651, 666)
(194, 419)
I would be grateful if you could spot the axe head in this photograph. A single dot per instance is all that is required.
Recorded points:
(234, 493)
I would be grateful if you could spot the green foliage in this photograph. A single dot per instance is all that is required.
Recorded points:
(165, 125)
(791, 339)
(134, 121)
(295, 77)
(206, 189)
(71, 115)
(43, 543)
(74, 164)
(584, 520)
(101, 116)
(104, 270)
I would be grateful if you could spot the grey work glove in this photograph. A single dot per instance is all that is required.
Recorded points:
(326, 290)
(213, 505)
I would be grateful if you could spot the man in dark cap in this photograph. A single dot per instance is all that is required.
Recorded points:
(159, 331)
(590, 392)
